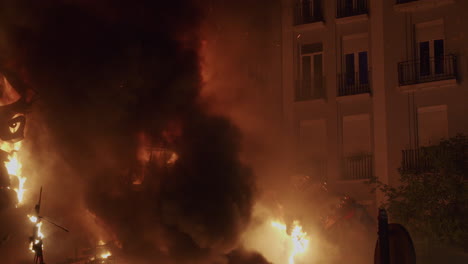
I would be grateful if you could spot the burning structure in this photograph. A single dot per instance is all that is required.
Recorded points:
(129, 145)
(105, 74)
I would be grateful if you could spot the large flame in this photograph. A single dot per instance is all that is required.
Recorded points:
(105, 255)
(14, 167)
(298, 239)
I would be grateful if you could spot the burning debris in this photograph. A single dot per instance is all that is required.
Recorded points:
(35, 241)
(298, 240)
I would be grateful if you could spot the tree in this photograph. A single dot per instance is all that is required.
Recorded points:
(432, 199)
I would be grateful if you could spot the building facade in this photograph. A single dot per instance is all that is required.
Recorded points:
(366, 83)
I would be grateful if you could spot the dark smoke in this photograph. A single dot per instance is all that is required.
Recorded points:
(105, 73)
(240, 256)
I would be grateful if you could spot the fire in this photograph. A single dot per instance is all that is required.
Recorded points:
(33, 218)
(106, 255)
(36, 239)
(298, 239)
(39, 232)
(14, 167)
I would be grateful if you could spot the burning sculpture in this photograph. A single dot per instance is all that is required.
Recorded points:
(12, 124)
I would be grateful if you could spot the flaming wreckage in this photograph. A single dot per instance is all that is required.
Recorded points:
(12, 188)
(12, 183)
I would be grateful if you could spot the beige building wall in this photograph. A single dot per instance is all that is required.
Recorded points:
(401, 114)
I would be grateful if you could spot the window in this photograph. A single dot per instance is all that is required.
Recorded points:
(432, 124)
(363, 68)
(351, 7)
(430, 48)
(356, 63)
(311, 71)
(310, 8)
(308, 11)
(353, 61)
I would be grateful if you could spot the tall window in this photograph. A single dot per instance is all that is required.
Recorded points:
(353, 61)
(310, 8)
(430, 47)
(311, 70)
(431, 57)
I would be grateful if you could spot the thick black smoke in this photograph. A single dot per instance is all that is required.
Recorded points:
(106, 72)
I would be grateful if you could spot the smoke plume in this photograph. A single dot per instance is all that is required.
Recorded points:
(107, 74)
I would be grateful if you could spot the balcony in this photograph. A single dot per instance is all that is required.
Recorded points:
(308, 11)
(354, 83)
(348, 8)
(423, 159)
(415, 161)
(305, 91)
(417, 5)
(424, 71)
(358, 167)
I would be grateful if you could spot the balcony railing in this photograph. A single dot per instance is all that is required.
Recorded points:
(308, 11)
(422, 160)
(415, 160)
(404, 1)
(358, 167)
(306, 91)
(429, 70)
(353, 83)
(346, 8)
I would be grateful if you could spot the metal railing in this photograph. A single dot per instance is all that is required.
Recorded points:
(358, 167)
(430, 70)
(353, 83)
(306, 91)
(415, 160)
(346, 8)
(422, 159)
(404, 1)
(308, 11)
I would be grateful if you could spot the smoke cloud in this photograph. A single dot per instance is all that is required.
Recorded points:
(107, 74)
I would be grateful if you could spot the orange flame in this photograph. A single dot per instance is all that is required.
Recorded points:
(298, 239)
(14, 168)
(105, 255)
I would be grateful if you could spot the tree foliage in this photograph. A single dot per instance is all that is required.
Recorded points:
(432, 199)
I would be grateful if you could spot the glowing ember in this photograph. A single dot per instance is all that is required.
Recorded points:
(13, 166)
(106, 255)
(174, 157)
(39, 233)
(298, 238)
(32, 218)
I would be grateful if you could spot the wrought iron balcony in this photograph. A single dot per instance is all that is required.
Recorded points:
(423, 159)
(415, 160)
(308, 11)
(347, 8)
(353, 83)
(429, 70)
(358, 167)
(306, 91)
